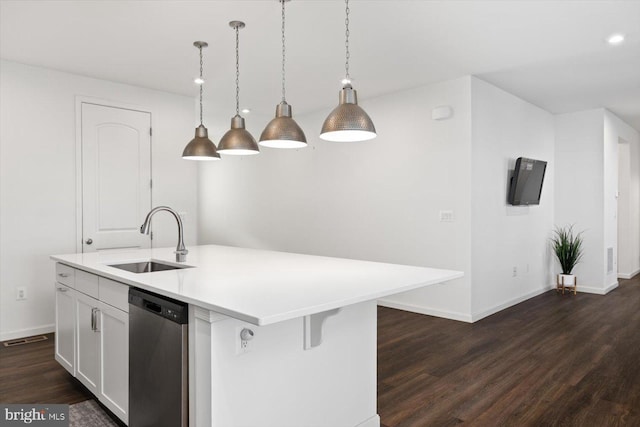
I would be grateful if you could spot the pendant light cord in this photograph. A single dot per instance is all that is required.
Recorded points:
(237, 70)
(283, 53)
(201, 84)
(346, 43)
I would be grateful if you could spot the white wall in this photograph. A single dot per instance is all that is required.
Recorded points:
(587, 173)
(619, 135)
(380, 200)
(504, 237)
(625, 258)
(37, 186)
(579, 197)
(610, 208)
(377, 200)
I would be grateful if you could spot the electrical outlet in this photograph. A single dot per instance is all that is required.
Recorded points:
(244, 340)
(515, 271)
(21, 293)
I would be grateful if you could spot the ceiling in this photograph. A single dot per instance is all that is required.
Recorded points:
(551, 53)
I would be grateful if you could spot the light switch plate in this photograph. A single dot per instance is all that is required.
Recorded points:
(446, 216)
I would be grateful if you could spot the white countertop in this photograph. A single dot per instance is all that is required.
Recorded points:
(262, 287)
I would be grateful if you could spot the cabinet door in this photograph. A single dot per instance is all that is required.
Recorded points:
(65, 327)
(88, 342)
(114, 352)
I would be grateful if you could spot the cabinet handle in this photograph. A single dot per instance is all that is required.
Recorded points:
(97, 320)
(63, 275)
(62, 289)
(93, 319)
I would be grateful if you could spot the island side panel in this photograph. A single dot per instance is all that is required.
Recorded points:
(279, 384)
(200, 321)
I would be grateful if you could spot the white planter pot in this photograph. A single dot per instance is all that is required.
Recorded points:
(567, 279)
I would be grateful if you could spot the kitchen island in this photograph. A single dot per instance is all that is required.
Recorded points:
(312, 359)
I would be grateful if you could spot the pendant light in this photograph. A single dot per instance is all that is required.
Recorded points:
(348, 121)
(283, 131)
(200, 147)
(238, 140)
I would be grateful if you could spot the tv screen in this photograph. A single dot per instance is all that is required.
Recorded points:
(526, 183)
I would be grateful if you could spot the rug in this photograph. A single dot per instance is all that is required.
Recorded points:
(89, 414)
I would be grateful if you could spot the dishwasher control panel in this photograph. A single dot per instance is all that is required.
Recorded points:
(162, 306)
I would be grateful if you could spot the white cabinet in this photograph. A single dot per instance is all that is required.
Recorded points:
(92, 335)
(114, 356)
(65, 352)
(88, 342)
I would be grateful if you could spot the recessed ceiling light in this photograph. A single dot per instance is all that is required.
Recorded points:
(246, 111)
(615, 39)
(198, 80)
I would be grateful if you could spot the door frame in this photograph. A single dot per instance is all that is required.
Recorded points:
(79, 100)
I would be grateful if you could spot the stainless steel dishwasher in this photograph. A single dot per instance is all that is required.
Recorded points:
(158, 361)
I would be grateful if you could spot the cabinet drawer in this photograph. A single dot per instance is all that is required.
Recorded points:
(65, 274)
(87, 283)
(114, 293)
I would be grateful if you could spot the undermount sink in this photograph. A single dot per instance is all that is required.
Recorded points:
(148, 266)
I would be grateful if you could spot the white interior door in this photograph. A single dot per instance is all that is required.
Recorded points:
(116, 177)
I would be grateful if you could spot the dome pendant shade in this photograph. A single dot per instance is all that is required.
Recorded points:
(200, 147)
(348, 122)
(237, 140)
(283, 131)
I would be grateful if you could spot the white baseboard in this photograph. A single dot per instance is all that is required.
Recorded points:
(628, 275)
(597, 291)
(481, 315)
(611, 287)
(486, 313)
(371, 422)
(22, 333)
(462, 317)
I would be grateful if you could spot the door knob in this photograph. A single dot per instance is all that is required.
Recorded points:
(89, 241)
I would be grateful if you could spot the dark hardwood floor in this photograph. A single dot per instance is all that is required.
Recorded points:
(30, 374)
(553, 360)
(550, 361)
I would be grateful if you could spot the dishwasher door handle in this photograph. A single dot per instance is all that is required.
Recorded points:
(152, 306)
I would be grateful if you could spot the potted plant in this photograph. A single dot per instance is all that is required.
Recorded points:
(568, 247)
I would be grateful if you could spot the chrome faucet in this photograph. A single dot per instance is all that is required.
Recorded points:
(181, 252)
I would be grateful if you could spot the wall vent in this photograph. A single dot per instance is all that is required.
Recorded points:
(22, 341)
(609, 260)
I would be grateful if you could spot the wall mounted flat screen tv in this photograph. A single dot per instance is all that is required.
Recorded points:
(526, 183)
